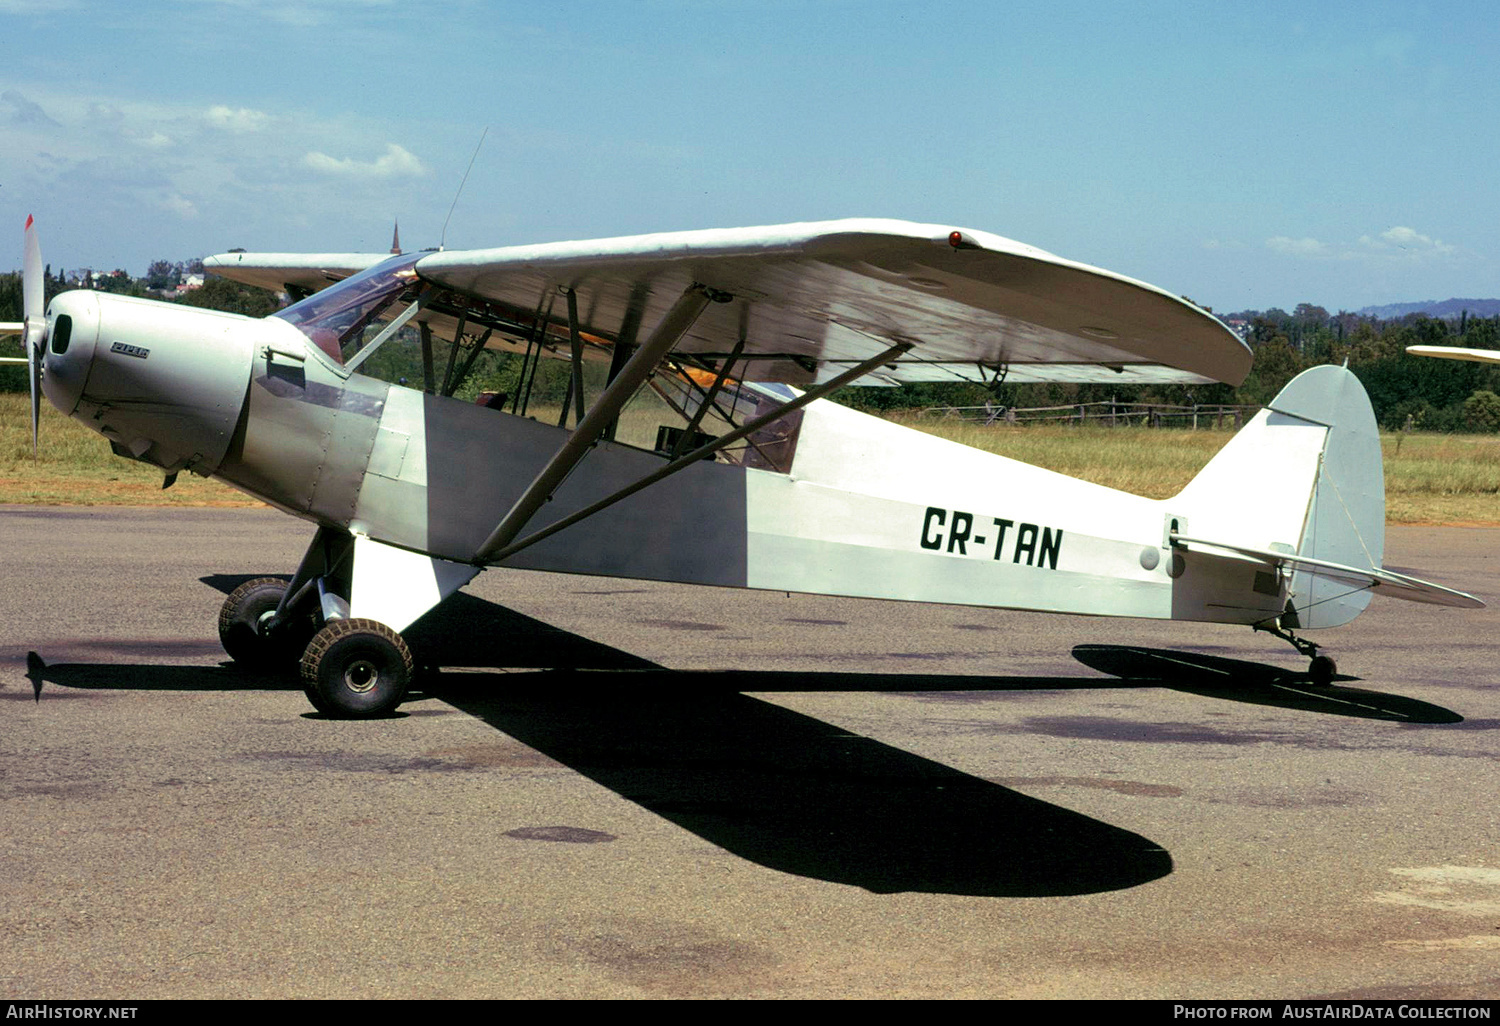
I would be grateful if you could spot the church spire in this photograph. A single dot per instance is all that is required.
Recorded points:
(396, 240)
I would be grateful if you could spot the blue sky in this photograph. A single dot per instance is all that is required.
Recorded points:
(1247, 156)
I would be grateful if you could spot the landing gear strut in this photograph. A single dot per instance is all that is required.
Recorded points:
(1321, 669)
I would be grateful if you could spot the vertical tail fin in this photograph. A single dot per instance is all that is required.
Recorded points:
(1304, 477)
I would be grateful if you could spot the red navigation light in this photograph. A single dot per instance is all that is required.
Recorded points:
(955, 239)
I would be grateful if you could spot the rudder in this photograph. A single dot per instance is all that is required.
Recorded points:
(1303, 476)
(1346, 519)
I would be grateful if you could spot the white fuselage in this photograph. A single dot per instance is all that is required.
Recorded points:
(864, 508)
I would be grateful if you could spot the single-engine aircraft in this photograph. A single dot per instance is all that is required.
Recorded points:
(413, 492)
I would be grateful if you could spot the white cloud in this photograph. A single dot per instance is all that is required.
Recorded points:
(24, 111)
(35, 6)
(241, 119)
(1399, 243)
(397, 163)
(304, 13)
(1305, 247)
(178, 204)
(1403, 241)
(203, 174)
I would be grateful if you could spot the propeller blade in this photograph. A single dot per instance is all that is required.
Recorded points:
(34, 305)
(34, 365)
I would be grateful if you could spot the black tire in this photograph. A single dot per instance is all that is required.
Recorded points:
(1322, 670)
(356, 669)
(242, 621)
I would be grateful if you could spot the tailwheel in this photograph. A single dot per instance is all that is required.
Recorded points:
(356, 669)
(245, 628)
(1322, 670)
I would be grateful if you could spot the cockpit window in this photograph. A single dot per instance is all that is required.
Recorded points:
(336, 318)
(772, 447)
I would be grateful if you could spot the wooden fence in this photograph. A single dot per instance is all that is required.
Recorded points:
(1111, 414)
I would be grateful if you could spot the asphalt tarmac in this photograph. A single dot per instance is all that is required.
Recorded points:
(624, 789)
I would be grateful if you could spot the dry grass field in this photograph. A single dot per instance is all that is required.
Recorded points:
(1430, 479)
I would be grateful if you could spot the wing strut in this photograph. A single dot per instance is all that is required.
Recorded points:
(575, 384)
(494, 553)
(708, 399)
(538, 337)
(625, 340)
(458, 337)
(429, 381)
(606, 408)
(463, 372)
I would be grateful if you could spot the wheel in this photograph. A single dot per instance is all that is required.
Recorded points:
(242, 624)
(1322, 670)
(356, 669)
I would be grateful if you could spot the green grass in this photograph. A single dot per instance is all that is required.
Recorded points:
(1430, 479)
(1450, 479)
(75, 467)
(1152, 462)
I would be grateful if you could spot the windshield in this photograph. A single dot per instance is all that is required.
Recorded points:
(335, 319)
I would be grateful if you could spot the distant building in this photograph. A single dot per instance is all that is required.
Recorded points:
(188, 284)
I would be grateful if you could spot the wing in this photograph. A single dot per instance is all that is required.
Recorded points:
(299, 274)
(1455, 353)
(8, 328)
(812, 300)
(827, 295)
(1385, 582)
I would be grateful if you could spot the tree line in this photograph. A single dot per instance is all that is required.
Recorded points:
(1406, 391)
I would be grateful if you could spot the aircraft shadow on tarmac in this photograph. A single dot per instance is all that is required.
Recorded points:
(1255, 683)
(776, 787)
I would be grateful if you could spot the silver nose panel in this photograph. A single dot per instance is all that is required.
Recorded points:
(165, 383)
(72, 332)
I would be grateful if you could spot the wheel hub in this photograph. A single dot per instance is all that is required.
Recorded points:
(361, 676)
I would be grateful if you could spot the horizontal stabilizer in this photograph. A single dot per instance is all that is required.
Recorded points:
(1385, 582)
(1456, 353)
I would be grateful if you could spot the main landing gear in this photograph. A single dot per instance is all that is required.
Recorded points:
(350, 668)
(356, 669)
(251, 633)
(1321, 669)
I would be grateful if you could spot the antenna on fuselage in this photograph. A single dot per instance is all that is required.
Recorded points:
(442, 239)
